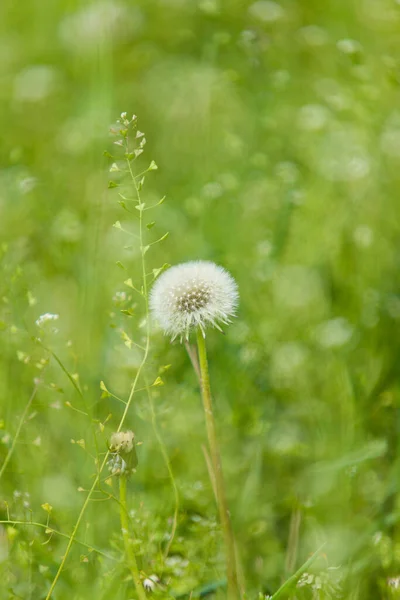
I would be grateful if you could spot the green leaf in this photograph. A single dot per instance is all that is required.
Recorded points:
(107, 154)
(120, 265)
(127, 340)
(106, 393)
(288, 585)
(129, 312)
(112, 184)
(130, 155)
(150, 225)
(140, 183)
(156, 272)
(161, 239)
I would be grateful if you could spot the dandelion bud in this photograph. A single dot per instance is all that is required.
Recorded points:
(123, 458)
(193, 294)
(122, 441)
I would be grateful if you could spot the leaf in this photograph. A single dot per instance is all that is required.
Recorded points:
(129, 312)
(140, 183)
(130, 155)
(294, 578)
(107, 154)
(112, 184)
(106, 393)
(161, 239)
(129, 283)
(164, 237)
(120, 265)
(127, 340)
(156, 272)
(150, 225)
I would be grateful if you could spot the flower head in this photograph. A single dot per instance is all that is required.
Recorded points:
(123, 459)
(193, 294)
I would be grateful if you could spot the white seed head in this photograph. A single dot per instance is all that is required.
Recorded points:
(193, 294)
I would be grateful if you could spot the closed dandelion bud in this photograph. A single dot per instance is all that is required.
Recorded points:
(123, 457)
(193, 294)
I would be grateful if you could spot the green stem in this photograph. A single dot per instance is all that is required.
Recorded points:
(130, 554)
(129, 401)
(231, 568)
(16, 436)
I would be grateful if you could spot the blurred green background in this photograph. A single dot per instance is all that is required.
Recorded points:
(276, 130)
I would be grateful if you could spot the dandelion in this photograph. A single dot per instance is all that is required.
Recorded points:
(196, 294)
(122, 463)
(123, 458)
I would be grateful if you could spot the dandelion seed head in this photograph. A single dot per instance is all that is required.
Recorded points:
(193, 294)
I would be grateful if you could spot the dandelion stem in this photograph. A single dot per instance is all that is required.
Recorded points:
(130, 554)
(231, 568)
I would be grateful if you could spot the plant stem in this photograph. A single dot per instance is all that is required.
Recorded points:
(232, 578)
(20, 424)
(130, 554)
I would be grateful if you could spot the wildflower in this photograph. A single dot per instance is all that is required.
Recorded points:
(394, 582)
(43, 319)
(150, 583)
(193, 294)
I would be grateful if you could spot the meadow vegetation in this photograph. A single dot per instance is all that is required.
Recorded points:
(267, 140)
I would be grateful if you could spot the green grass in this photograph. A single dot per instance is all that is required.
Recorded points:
(278, 151)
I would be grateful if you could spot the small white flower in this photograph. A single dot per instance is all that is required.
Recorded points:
(150, 583)
(193, 294)
(46, 318)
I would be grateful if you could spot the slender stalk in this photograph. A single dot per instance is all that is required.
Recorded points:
(169, 469)
(20, 424)
(130, 554)
(231, 568)
(50, 530)
(132, 391)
